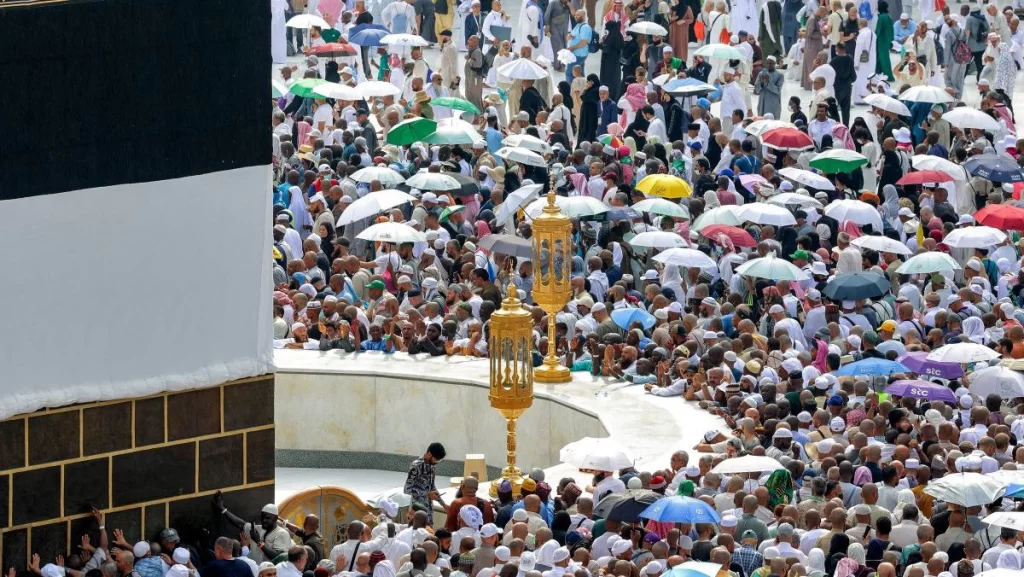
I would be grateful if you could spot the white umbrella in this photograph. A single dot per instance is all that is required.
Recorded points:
(571, 206)
(975, 237)
(662, 207)
(962, 353)
(595, 454)
(528, 142)
(372, 204)
(926, 93)
(856, 211)
(794, 199)
(758, 127)
(307, 21)
(522, 69)
(404, 40)
(887, 103)
(703, 567)
(647, 27)
(515, 200)
(723, 51)
(746, 464)
(1012, 520)
(928, 162)
(396, 496)
(998, 572)
(1002, 381)
(967, 117)
(521, 156)
(927, 263)
(278, 88)
(389, 177)
(762, 213)
(661, 80)
(806, 178)
(433, 181)
(685, 257)
(772, 268)
(565, 56)
(966, 489)
(658, 239)
(453, 131)
(377, 89)
(881, 244)
(337, 91)
(393, 232)
(719, 215)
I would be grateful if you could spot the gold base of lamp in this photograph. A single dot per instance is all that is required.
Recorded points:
(512, 475)
(552, 373)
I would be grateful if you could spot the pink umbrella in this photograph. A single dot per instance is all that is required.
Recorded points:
(749, 180)
(330, 10)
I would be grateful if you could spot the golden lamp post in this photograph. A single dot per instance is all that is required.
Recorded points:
(509, 344)
(552, 252)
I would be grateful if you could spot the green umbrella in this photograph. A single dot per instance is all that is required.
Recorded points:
(304, 87)
(410, 131)
(450, 211)
(278, 88)
(455, 104)
(838, 160)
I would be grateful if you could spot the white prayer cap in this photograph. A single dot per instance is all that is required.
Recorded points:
(502, 553)
(667, 50)
(621, 546)
(560, 554)
(603, 89)
(904, 16)
(772, 58)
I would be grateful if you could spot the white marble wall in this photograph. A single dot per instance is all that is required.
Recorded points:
(401, 415)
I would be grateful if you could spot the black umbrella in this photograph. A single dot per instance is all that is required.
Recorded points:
(469, 186)
(857, 286)
(627, 506)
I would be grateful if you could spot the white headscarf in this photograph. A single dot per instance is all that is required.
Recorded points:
(545, 555)
(974, 329)
(816, 561)
(384, 569)
(913, 295)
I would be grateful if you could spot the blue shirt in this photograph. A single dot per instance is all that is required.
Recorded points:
(281, 194)
(545, 511)
(581, 31)
(150, 567)
(901, 32)
(494, 139)
(372, 345)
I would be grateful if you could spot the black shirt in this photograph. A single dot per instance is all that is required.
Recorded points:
(226, 568)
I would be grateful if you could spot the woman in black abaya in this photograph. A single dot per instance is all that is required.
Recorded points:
(611, 51)
(589, 110)
(629, 60)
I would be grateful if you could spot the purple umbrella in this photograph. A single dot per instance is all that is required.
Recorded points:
(919, 389)
(918, 363)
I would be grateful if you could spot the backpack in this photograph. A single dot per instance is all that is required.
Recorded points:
(982, 28)
(961, 51)
(864, 10)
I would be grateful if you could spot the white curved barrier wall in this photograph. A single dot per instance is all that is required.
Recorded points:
(374, 404)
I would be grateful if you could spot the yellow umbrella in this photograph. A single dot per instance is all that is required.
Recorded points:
(665, 186)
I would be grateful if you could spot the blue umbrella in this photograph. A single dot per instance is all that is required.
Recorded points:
(1015, 490)
(626, 317)
(367, 34)
(872, 367)
(679, 509)
(687, 87)
(994, 167)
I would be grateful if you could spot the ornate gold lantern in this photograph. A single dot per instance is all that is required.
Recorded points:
(552, 253)
(511, 354)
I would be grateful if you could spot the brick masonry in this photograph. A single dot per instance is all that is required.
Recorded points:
(147, 463)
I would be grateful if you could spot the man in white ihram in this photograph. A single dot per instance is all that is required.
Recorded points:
(732, 99)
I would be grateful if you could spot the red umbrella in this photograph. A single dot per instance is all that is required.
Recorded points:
(1001, 216)
(738, 236)
(786, 137)
(924, 177)
(334, 49)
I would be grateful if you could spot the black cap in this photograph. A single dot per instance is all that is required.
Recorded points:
(362, 111)
(446, 32)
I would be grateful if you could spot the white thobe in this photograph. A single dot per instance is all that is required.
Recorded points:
(529, 24)
(743, 16)
(657, 128)
(866, 41)
(732, 99)
(493, 19)
(278, 32)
